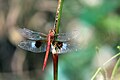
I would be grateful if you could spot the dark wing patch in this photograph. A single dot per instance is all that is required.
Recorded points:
(33, 46)
(64, 47)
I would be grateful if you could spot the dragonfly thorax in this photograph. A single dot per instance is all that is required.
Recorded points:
(51, 32)
(51, 35)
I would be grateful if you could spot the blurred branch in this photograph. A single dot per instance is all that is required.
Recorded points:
(115, 69)
(99, 69)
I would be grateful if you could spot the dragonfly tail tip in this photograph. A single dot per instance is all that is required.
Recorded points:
(43, 68)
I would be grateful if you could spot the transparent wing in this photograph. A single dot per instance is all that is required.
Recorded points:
(67, 36)
(64, 47)
(32, 35)
(33, 46)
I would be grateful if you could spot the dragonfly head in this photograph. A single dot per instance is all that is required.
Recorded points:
(52, 32)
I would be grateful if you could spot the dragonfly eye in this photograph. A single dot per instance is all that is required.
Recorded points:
(38, 44)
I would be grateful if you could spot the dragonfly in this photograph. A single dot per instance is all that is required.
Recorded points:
(56, 43)
(38, 42)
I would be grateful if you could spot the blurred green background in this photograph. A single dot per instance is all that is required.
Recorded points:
(98, 23)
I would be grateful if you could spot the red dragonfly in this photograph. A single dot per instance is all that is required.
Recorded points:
(39, 42)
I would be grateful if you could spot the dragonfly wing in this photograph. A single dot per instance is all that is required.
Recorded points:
(64, 47)
(31, 46)
(67, 36)
(32, 34)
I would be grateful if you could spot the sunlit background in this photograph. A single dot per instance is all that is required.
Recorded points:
(98, 24)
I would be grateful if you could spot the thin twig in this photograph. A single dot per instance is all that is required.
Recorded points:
(56, 27)
(58, 15)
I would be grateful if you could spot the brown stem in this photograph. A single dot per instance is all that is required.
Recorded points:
(58, 16)
(55, 64)
(56, 27)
